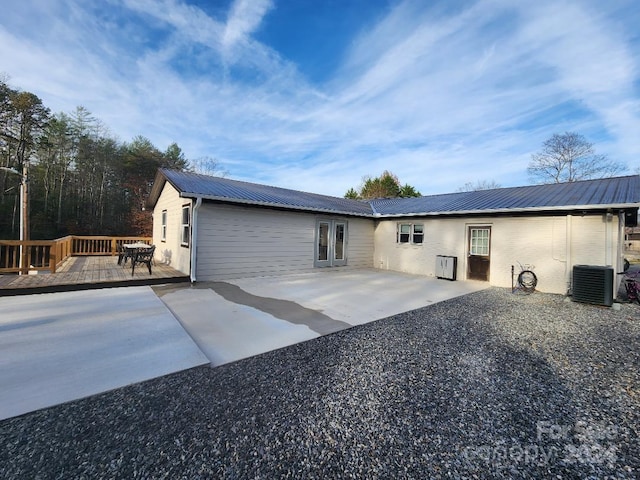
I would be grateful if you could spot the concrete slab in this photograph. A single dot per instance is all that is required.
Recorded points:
(59, 347)
(244, 317)
(226, 331)
(359, 296)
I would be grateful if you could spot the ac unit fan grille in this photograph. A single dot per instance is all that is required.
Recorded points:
(593, 284)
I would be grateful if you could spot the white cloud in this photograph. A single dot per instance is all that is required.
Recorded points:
(190, 21)
(244, 17)
(438, 94)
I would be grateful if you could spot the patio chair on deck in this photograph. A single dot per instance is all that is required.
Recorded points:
(144, 256)
(123, 255)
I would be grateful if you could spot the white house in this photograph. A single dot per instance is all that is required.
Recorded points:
(214, 228)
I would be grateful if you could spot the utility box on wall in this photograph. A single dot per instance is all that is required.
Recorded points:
(593, 284)
(446, 267)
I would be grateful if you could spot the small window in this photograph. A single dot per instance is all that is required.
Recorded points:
(410, 233)
(418, 233)
(186, 225)
(163, 233)
(404, 232)
(479, 241)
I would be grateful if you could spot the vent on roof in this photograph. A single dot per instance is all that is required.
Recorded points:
(593, 284)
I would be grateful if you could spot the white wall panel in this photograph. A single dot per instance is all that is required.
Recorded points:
(236, 241)
(539, 241)
(170, 251)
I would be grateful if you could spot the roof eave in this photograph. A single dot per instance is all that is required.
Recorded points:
(158, 184)
(563, 208)
(256, 203)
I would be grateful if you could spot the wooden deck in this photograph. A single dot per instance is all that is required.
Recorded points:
(80, 273)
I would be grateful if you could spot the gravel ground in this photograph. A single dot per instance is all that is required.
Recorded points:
(491, 384)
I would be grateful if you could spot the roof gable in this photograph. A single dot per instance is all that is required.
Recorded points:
(617, 192)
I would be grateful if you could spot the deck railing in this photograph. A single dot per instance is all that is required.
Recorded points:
(49, 254)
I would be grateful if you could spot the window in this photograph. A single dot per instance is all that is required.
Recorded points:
(410, 233)
(186, 224)
(338, 246)
(163, 232)
(418, 233)
(404, 232)
(323, 241)
(479, 241)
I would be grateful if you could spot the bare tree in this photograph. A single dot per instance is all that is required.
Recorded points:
(207, 166)
(479, 185)
(570, 157)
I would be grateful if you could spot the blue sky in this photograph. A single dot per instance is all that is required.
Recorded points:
(315, 94)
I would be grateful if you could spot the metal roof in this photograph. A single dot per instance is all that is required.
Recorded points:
(223, 189)
(617, 192)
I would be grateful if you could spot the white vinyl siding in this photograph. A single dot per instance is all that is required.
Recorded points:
(360, 243)
(170, 252)
(235, 242)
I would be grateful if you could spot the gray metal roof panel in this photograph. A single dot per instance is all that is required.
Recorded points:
(224, 189)
(584, 194)
(588, 193)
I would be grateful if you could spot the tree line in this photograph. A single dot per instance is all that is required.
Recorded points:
(81, 180)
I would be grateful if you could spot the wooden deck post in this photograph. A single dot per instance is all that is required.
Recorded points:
(52, 258)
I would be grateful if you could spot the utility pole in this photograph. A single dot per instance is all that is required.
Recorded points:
(24, 212)
(25, 202)
(24, 217)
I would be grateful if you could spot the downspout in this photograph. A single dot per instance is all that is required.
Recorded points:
(568, 264)
(619, 266)
(608, 239)
(194, 239)
(609, 253)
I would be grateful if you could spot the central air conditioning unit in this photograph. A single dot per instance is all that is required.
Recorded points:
(593, 284)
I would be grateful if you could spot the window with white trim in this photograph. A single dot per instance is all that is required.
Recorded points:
(163, 231)
(418, 233)
(410, 233)
(479, 241)
(185, 225)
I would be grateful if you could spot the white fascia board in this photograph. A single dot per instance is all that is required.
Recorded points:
(564, 208)
(256, 203)
(378, 215)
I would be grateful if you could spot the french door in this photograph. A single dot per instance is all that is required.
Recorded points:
(331, 243)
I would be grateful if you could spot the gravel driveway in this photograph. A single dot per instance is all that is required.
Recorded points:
(486, 385)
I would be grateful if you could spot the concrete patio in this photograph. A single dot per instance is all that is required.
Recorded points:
(59, 347)
(244, 317)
